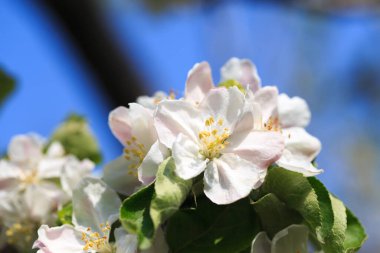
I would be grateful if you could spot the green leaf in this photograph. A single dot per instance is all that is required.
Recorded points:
(77, 139)
(212, 228)
(7, 85)
(65, 214)
(135, 216)
(324, 214)
(274, 214)
(355, 235)
(170, 192)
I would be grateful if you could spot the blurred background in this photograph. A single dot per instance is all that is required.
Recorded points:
(90, 56)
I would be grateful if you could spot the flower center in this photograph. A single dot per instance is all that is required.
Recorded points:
(214, 138)
(18, 232)
(273, 124)
(135, 153)
(95, 241)
(30, 177)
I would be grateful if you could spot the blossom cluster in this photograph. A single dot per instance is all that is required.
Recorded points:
(226, 168)
(230, 133)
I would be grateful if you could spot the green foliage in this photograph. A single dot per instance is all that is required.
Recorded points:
(135, 216)
(211, 228)
(65, 214)
(170, 192)
(77, 139)
(7, 85)
(326, 216)
(144, 211)
(274, 214)
(232, 83)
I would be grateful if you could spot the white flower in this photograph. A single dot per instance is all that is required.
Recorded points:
(219, 138)
(293, 239)
(301, 148)
(95, 208)
(151, 102)
(199, 79)
(133, 127)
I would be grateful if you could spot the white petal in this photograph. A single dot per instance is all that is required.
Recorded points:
(148, 168)
(261, 244)
(289, 162)
(293, 112)
(227, 104)
(229, 178)
(174, 117)
(198, 83)
(73, 171)
(116, 175)
(50, 167)
(291, 239)
(55, 150)
(25, 148)
(301, 144)
(9, 175)
(125, 243)
(120, 124)
(188, 161)
(267, 98)
(241, 70)
(94, 203)
(63, 239)
(262, 148)
(151, 102)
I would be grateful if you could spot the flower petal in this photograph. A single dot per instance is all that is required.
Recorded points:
(119, 123)
(198, 83)
(289, 162)
(151, 102)
(293, 112)
(94, 203)
(262, 148)
(291, 239)
(63, 239)
(149, 166)
(241, 70)
(9, 175)
(261, 243)
(116, 175)
(267, 98)
(55, 150)
(188, 161)
(73, 171)
(174, 117)
(124, 242)
(25, 148)
(229, 178)
(225, 103)
(301, 144)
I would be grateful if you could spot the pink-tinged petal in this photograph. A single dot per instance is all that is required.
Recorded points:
(229, 178)
(25, 148)
(188, 161)
(175, 117)
(293, 112)
(305, 167)
(301, 144)
(222, 103)
(199, 82)
(120, 124)
(142, 125)
(262, 148)
(63, 239)
(261, 243)
(243, 71)
(149, 166)
(267, 98)
(117, 175)
(94, 203)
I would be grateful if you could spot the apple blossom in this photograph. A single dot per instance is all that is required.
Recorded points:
(133, 127)
(151, 102)
(219, 138)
